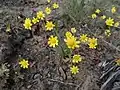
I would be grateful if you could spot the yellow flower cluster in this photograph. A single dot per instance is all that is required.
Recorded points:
(109, 21)
(94, 15)
(40, 15)
(76, 59)
(49, 25)
(72, 43)
(92, 42)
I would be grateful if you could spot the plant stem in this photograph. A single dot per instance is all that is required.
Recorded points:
(70, 54)
(61, 50)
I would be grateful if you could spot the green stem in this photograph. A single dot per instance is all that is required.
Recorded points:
(61, 50)
(70, 54)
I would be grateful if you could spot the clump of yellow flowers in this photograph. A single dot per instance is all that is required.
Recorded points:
(24, 63)
(40, 15)
(70, 41)
(94, 15)
(109, 21)
(76, 59)
(49, 25)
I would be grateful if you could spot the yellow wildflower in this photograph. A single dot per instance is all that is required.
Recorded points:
(109, 21)
(27, 24)
(83, 38)
(72, 42)
(107, 32)
(94, 16)
(76, 59)
(48, 10)
(40, 15)
(92, 42)
(113, 10)
(55, 6)
(97, 11)
(48, 1)
(35, 20)
(118, 62)
(74, 69)
(116, 24)
(103, 17)
(73, 30)
(24, 63)
(68, 34)
(49, 25)
(53, 41)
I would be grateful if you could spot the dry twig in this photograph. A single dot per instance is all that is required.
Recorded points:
(71, 84)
